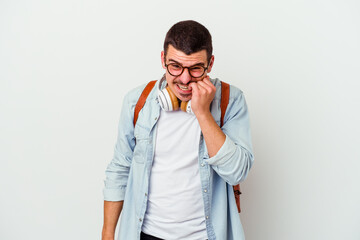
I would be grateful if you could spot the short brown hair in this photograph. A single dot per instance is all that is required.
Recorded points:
(189, 37)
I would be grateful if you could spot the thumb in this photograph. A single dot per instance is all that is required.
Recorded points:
(194, 88)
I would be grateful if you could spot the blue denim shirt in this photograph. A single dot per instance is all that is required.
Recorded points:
(128, 174)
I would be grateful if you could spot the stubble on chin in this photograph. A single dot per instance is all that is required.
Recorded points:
(185, 97)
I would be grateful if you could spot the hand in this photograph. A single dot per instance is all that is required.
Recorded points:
(203, 92)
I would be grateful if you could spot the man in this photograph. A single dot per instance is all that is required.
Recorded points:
(172, 173)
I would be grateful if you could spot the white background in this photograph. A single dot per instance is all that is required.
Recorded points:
(66, 65)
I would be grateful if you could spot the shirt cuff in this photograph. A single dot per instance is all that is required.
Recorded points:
(114, 194)
(224, 153)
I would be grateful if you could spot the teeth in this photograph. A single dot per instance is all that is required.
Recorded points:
(183, 88)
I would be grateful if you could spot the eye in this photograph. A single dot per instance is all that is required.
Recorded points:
(196, 69)
(176, 66)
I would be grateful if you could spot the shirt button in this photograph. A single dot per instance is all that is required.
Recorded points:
(145, 194)
(140, 219)
(202, 164)
(207, 217)
(156, 118)
(205, 190)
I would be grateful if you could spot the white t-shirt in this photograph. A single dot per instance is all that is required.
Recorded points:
(175, 205)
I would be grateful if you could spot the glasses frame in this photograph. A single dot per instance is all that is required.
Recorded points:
(183, 68)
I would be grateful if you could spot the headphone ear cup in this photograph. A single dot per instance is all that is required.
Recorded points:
(168, 100)
(186, 106)
(183, 106)
(174, 100)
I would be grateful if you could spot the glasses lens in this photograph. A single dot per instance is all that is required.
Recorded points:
(175, 69)
(197, 71)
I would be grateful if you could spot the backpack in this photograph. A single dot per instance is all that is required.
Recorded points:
(225, 92)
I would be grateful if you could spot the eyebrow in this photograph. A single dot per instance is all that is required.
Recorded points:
(197, 64)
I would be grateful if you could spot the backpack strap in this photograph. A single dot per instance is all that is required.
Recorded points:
(142, 99)
(237, 193)
(225, 93)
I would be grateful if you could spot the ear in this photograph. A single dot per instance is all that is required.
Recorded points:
(211, 63)
(163, 59)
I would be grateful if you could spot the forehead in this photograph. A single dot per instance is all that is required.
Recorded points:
(181, 57)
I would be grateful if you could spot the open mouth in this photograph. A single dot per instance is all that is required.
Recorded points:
(182, 87)
(184, 91)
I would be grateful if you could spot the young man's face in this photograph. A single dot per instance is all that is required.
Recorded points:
(179, 85)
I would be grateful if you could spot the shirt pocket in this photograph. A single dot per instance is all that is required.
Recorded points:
(142, 141)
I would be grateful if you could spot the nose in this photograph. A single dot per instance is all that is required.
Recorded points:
(185, 77)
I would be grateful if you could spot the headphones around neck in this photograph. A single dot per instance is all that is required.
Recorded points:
(169, 102)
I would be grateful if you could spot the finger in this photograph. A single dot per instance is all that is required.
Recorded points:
(205, 86)
(194, 87)
(207, 78)
(208, 82)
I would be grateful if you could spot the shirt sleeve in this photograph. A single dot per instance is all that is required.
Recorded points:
(117, 171)
(235, 158)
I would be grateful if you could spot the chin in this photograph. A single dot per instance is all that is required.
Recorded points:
(184, 98)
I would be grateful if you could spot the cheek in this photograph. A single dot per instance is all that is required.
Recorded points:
(170, 79)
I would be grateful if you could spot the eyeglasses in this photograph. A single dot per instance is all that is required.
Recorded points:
(175, 69)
